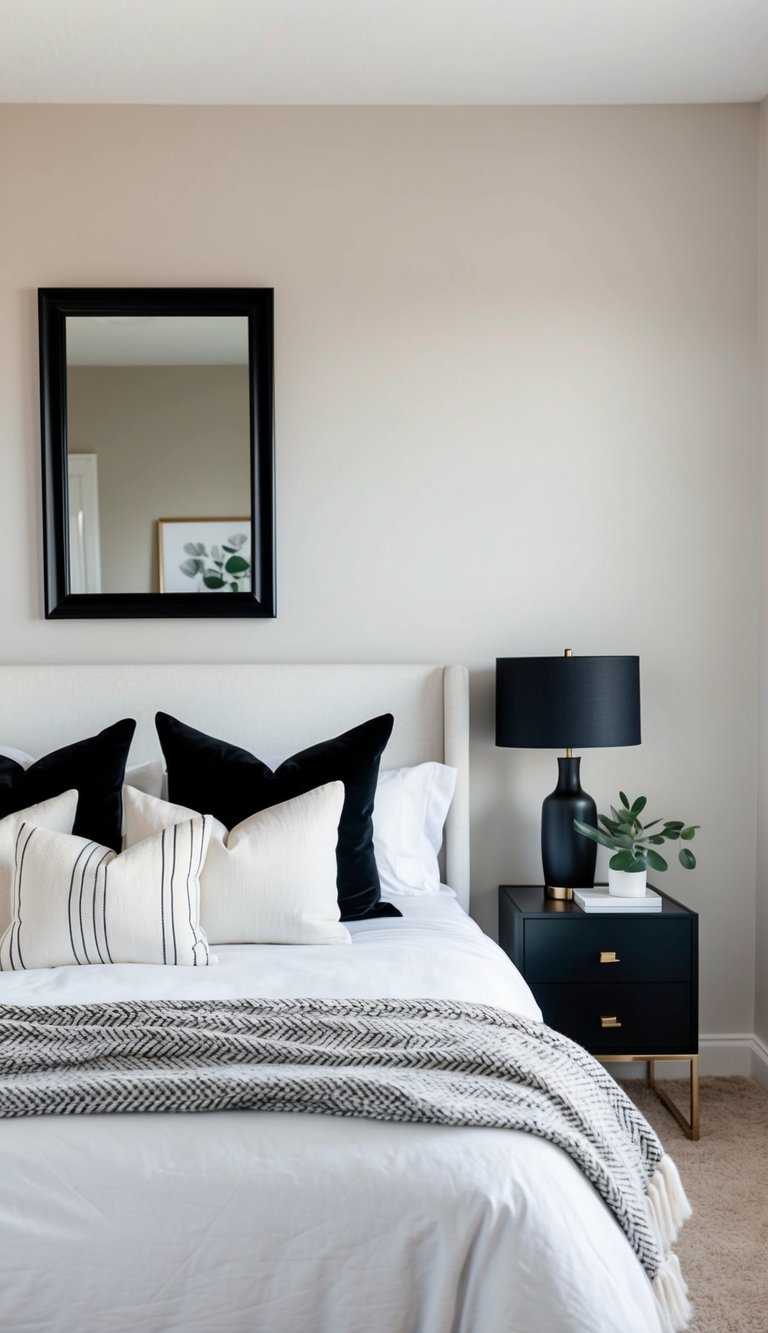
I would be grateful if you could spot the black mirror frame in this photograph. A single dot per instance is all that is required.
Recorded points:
(54, 305)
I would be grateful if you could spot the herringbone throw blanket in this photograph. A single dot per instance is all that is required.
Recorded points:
(434, 1061)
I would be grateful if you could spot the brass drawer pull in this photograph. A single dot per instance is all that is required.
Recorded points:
(609, 1022)
(609, 956)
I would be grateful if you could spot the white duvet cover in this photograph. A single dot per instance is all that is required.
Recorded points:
(253, 1223)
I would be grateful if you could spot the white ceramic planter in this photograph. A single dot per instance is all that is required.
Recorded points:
(627, 883)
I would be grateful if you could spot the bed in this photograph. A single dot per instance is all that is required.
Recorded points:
(277, 1221)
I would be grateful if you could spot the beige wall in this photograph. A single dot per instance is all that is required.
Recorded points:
(761, 932)
(171, 442)
(516, 411)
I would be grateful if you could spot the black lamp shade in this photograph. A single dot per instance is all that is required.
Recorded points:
(551, 703)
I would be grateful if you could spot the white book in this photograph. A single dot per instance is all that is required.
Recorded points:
(600, 900)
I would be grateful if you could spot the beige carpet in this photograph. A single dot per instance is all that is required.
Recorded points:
(723, 1249)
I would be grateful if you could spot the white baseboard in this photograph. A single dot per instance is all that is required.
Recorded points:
(726, 1053)
(722, 1054)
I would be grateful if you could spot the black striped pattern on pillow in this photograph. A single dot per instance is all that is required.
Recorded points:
(76, 902)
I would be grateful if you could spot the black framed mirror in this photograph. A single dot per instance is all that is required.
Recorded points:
(157, 409)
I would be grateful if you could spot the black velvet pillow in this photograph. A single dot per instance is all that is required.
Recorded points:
(222, 780)
(95, 767)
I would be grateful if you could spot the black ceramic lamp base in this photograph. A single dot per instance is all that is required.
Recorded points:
(568, 858)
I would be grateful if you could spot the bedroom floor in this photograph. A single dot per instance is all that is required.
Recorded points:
(723, 1247)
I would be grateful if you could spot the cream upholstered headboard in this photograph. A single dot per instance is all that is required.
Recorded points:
(268, 709)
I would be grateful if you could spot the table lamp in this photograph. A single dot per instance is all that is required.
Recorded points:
(548, 703)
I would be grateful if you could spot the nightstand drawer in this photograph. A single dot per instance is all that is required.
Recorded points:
(607, 951)
(634, 1020)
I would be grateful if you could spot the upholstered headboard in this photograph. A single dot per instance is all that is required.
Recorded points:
(269, 709)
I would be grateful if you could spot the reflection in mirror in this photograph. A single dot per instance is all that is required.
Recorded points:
(159, 405)
(157, 425)
(84, 543)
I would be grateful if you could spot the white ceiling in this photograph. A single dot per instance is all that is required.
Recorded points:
(383, 51)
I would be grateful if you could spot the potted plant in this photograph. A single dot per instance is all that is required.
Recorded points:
(633, 845)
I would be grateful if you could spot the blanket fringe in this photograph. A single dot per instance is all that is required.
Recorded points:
(671, 1296)
(668, 1208)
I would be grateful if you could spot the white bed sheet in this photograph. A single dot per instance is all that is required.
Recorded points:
(254, 1223)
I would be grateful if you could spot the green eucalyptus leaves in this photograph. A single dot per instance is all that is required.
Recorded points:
(633, 843)
(224, 570)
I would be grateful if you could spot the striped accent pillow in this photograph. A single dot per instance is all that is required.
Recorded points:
(74, 901)
(58, 813)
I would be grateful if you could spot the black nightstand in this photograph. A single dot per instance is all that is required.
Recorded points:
(624, 985)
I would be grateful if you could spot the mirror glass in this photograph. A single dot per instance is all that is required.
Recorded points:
(157, 451)
(162, 398)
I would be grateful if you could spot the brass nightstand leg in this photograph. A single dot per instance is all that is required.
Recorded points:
(692, 1127)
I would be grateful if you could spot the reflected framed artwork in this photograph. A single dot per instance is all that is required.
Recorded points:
(204, 555)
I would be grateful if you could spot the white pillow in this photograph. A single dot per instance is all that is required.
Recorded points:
(151, 778)
(147, 777)
(18, 756)
(270, 879)
(409, 812)
(74, 901)
(57, 813)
